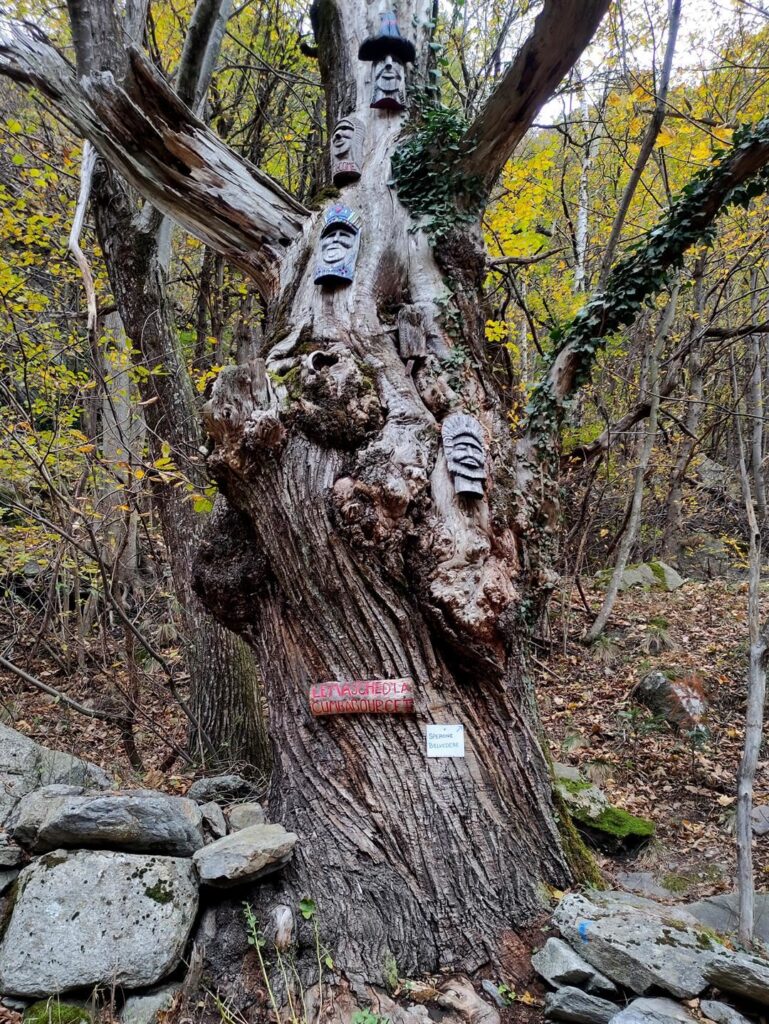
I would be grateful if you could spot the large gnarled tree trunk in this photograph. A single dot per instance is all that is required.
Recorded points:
(362, 562)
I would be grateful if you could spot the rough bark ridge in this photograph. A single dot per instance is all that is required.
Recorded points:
(362, 562)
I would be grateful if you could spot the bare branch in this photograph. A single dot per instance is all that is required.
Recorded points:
(86, 174)
(560, 34)
(647, 145)
(181, 167)
(105, 716)
(737, 332)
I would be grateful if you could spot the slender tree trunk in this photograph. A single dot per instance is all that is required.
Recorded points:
(583, 207)
(756, 407)
(694, 410)
(754, 714)
(122, 443)
(634, 519)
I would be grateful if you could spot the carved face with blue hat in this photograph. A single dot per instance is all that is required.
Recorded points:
(338, 246)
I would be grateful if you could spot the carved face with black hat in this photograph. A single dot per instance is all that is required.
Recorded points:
(389, 52)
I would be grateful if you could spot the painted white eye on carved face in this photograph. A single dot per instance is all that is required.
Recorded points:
(389, 75)
(336, 244)
(342, 138)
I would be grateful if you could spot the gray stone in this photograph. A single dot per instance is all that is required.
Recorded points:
(213, 819)
(637, 576)
(566, 771)
(616, 898)
(634, 947)
(722, 914)
(11, 854)
(575, 1005)
(713, 476)
(653, 1011)
(742, 975)
(26, 765)
(139, 820)
(95, 917)
(657, 574)
(491, 990)
(144, 1007)
(760, 819)
(7, 877)
(244, 815)
(666, 576)
(644, 883)
(579, 795)
(680, 702)
(722, 1013)
(222, 789)
(245, 855)
(17, 1005)
(559, 965)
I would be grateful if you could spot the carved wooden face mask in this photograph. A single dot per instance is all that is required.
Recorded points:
(389, 85)
(338, 246)
(335, 246)
(465, 449)
(389, 52)
(346, 146)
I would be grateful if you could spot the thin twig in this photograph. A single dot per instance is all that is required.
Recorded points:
(105, 716)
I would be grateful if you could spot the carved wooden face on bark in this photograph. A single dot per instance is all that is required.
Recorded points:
(463, 442)
(338, 246)
(346, 150)
(389, 85)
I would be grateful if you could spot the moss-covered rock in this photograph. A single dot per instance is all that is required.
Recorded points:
(614, 829)
(52, 1011)
(605, 826)
(653, 575)
(583, 866)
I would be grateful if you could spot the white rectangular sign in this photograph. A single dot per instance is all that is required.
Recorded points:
(445, 741)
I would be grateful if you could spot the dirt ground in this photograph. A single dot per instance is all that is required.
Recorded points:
(686, 787)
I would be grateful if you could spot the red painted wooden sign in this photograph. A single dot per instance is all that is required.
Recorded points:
(363, 696)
